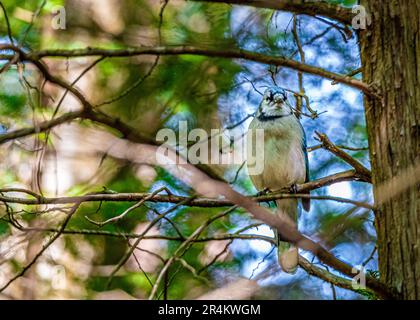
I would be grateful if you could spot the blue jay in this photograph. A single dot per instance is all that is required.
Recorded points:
(285, 160)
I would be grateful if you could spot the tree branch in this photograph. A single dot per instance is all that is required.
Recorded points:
(41, 127)
(191, 50)
(198, 202)
(331, 147)
(330, 277)
(184, 247)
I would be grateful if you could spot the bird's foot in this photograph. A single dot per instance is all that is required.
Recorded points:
(263, 192)
(294, 188)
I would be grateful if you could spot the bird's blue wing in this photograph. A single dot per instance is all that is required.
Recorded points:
(305, 152)
(306, 203)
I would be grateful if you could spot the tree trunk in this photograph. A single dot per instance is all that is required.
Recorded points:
(390, 50)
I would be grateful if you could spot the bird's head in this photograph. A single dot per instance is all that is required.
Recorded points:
(274, 103)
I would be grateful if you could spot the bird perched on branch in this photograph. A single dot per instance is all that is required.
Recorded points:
(285, 160)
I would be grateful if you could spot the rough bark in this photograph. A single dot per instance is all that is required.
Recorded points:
(390, 50)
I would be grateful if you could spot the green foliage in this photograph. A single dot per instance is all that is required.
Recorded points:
(4, 228)
(11, 105)
(346, 3)
(12, 101)
(367, 293)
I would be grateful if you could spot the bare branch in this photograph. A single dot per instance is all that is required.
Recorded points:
(184, 246)
(328, 145)
(136, 243)
(126, 235)
(122, 215)
(328, 276)
(41, 127)
(199, 201)
(182, 50)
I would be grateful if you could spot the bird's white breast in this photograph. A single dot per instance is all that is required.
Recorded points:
(284, 160)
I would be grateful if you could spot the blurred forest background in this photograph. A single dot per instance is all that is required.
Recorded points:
(151, 92)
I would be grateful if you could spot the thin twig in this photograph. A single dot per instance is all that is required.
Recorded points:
(122, 215)
(29, 27)
(6, 17)
(370, 257)
(44, 247)
(124, 259)
(328, 145)
(202, 201)
(182, 248)
(132, 87)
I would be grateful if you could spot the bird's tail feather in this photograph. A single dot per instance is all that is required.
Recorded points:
(288, 255)
(306, 203)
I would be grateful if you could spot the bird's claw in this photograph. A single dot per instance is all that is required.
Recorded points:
(263, 192)
(293, 188)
